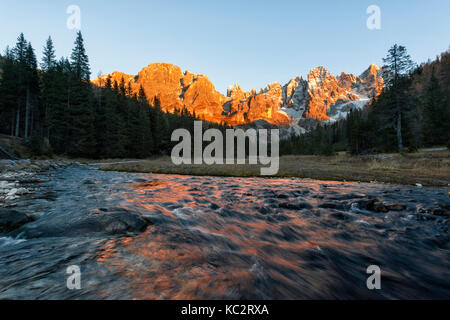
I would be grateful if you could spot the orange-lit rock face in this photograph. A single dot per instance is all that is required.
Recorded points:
(324, 90)
(202, 98)
(196, 93)
(280, 105)
(245, 107)
(162, 80)
(374, 81)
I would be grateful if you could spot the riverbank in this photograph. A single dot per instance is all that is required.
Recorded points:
(424, 168)
(19, 177)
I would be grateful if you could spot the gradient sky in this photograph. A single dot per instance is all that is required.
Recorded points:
(247, 42)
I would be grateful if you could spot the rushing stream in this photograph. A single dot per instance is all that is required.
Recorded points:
(227, 238)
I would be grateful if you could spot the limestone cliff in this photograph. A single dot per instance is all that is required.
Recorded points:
(322, 96)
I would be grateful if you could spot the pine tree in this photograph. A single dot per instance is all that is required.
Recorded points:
(159, 127)
(19, 52)
(79, 60)
(436, 115)
(81, 112)
(56, 97)
(32, 114)
(397, 64)
(48, 82)
(8, 93)
(48, 56)
(112, 140)
(145, 134)
(102, 120)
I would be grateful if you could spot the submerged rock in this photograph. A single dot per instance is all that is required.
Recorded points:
(110, 221)
(441, 212)
(332, 205)
(396, 207)
(90, 181)
(295, 205)
(12, 219)
(372, 205)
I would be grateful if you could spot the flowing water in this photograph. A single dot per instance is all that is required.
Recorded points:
(231, 238)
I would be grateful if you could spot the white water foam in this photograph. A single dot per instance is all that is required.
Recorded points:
(8, 241)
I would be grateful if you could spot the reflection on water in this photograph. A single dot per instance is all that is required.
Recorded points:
(236, 238)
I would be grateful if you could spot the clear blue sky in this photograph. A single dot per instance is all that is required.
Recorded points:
(247, 42)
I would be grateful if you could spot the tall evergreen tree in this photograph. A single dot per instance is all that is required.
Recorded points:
(145, 137)
(79, 60)
(436, 115)
(48, 56)
(81, 125)
(397, 64)
(19, 52)
(8, 93)
(48, 81)
(32, 115)
(56, 85)
(159, 126)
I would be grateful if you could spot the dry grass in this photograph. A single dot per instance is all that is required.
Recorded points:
(426, 168)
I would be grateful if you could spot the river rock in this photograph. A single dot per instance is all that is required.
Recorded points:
(396, 207)
(110, 221)
(441, 212)
(379, 206)
(295, 205)
(332, 205)
(7, 164)
(90, 181)
(12, 192)
(12, 219)
(6, 187)
(372, 205)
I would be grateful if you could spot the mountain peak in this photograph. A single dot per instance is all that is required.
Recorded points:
(319, 97)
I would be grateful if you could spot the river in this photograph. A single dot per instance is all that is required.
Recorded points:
(228, 238)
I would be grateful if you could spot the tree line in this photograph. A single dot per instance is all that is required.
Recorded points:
(412, 111)
(56, 110)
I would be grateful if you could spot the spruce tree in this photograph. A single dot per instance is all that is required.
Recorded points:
(436, 115)
(8, 93)
(56, 97)
(32, 87)
(81, 111)
(48, 81)
(19, 52)
(159, 127)
(145, 133)
(48, 56)
(397, 64)
(79, 60)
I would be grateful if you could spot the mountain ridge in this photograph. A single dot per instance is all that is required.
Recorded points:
(321, 96)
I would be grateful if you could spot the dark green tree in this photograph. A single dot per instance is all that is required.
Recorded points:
(81, 138)
(20, 71)
(436, 115)
(9, 100)
(397, 65)
(32, 114)
(48, 56)
(79, 60)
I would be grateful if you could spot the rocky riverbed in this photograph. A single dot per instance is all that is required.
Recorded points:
(19, 177)
(157, 236)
